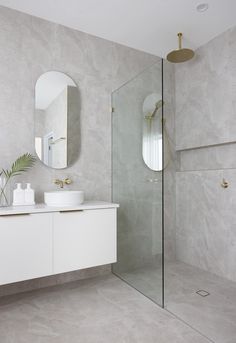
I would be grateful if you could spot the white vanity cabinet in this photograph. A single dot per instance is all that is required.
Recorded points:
(25, 247)
(84, 239)
(40, 241)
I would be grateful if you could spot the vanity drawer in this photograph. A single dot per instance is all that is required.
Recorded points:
(84, 239)
(25, 247)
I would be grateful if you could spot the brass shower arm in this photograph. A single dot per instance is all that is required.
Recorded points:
(180, 35)
(159, 104)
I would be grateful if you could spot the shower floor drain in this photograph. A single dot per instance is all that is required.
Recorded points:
(203, 293)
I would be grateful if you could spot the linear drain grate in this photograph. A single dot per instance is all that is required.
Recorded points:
(203, 293)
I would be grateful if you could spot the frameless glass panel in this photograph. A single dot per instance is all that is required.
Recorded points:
(137, 181)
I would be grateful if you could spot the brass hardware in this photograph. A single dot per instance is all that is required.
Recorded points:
(15, 215)
(180, 35)
(61, 183)
(224, 183)
(69, 211)
(152, 114)
(181, 54)
(67, 181)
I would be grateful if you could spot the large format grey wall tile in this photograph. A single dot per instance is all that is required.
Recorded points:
(206, 221)
(215, 157)
(205, 93)
(205, 119)
(31, 46)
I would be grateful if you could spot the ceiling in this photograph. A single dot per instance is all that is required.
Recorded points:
(148, 25)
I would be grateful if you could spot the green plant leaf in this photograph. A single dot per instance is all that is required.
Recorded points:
(21, 165)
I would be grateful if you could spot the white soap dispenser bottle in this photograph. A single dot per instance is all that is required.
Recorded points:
(18, 195)
(29, 195)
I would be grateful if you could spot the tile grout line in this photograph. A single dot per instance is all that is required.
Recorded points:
(204, 170)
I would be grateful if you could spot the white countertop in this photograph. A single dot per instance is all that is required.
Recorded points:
(42, 208)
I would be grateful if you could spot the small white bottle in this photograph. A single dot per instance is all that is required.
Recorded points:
(29, 195)
(18, 195)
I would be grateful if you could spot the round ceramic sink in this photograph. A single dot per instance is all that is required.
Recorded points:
(64, 198)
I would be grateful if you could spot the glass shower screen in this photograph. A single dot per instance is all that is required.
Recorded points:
(137, 163)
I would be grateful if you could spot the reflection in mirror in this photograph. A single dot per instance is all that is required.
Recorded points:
(56, 120)
(152, 131)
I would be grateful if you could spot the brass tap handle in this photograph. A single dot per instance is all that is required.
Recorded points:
(67, 181)
(224, 183)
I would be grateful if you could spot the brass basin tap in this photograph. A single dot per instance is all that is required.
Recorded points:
(61, 183)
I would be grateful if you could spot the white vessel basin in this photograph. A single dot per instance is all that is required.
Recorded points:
(64, 198)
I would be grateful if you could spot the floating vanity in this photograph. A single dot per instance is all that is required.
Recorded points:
(39, 240)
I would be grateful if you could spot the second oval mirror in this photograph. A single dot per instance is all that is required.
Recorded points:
(152, 143)
(57, 110)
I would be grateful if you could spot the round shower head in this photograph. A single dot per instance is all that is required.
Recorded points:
(180, 55)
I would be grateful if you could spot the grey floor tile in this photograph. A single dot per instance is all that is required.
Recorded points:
(214, 315)
(98, 310)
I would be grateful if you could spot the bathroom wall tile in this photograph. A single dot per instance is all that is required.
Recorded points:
(205, 219)
(32, 46)
(86, 54)
(205, 107)
(229, 215)
(205, 88)
(37, 46)
(215, 157)
(200, 229)
(130, 62)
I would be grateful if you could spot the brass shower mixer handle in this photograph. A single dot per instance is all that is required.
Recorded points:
(224, 183)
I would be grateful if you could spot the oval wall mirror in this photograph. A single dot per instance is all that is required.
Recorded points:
(152, 132)
(57, 108)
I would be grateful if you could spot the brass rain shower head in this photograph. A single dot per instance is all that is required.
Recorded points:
(180, 55)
